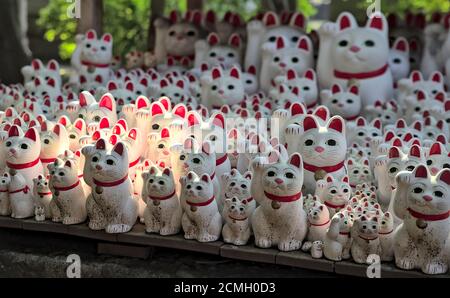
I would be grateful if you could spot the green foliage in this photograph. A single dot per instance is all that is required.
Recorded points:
(426, 6)
(126, 20)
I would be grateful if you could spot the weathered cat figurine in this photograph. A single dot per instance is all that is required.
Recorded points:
(201, 218)
(5, 203)
(338, 239)
(334, 193)
(365, 239)
(163, 212)
(68, 191)
(277, 186)
(42, 196)
(422, 201)
(111, 205)
(318, 223)
(237, 185)
(237, 229)
(21, 197)
(386, 234)
(54, 143)
(343, 103)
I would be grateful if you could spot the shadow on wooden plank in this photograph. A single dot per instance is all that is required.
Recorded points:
(82, 230)
(45, 226)
(249, 253)
(303, 260)
(139, 236)
(11, 223)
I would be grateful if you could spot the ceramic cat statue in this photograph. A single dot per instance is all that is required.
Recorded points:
(237, 229)
(277, 186)
(343, 103)
(21, 197)
(348, 53)
(334, 193)
(54, 143)
(422, 201)
(237, 185)
(42, 198)
(68, 192)
(111, 205)
(366, 240)
(5, 203)
(318, 224)
(163, 212)
(323, 149)
(201, 218)
(22, 154)
(338, 239)
(386, 234)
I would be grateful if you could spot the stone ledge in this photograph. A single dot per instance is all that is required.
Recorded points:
(138, 236)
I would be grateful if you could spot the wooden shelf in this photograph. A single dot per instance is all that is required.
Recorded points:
(139, 237)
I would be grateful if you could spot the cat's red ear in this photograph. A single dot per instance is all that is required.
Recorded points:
(219, 121)
(309, 123)
(415, 151)
(13, 131)
(235, 73)
(377, 22)
(296, 160)
(421, 171)
(416, 76)
(156, 109)
(271, 19)
(91, 35)
(345, 21)
(280, 43)
(31, 134)
(213, 39)
(394, 152)
(235, 40)
(297, 109)
(437, 77)
(336, 89)
(119, 148)
(329, 179)
(107, 102)
(206, 178)
(107, 38)
(361, 122)
(216, 73)
(444, 176)
(354, 89)
(436, 149)
(304, 44)
(193, 119)
(100, 145)
(167, 172)
(337, 123)
(401, 44)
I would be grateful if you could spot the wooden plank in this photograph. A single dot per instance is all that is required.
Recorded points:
(83, 230)
(131, 251)
(91, 16)
(45, 226)
(11, 223)
(249, 253)
(138, 236)
(305, 261)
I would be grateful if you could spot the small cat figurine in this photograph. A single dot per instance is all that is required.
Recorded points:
(318, 223)
(386, 234)
(277, 186)
(163, 212)
(323, 149)
(39, 213)
(201, 218)
(399, 59)
(237, 185)
(437, 158)
(54, 143)
(105, 108)
(21, 197)
(343, 103)
(237, 229)
(366, 240)
(68, 191)
(43, 196)
(422, 201)
(225, 87)
(338, 239)
(334, 193)
(217, 53)
(111, 205)
(5, 203)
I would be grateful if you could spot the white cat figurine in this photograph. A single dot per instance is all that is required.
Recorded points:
(237, 228)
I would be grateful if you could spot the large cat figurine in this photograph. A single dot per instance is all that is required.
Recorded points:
(111, 205)
(277, 186)
(422, 201)
(349, 53)
(323, 149)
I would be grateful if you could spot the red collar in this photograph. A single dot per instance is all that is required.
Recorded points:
(427, 217)
(24, 165)
(284, 199)
(134, 163)
(24, 190)
(330, 169)
(361, 75)
(310, 106)
(221, 160)
(247, 200)
(45, 193)
(387, 233)
(353, 185)
(3, 190)
(353, 118)
(98, 65)
(367, 239)
(320, 225)
(334, 206)
(345, 234)
(110, 184)
(202, 204)
(80, 176)
(67, 188)
(47, 160)
(161, 198)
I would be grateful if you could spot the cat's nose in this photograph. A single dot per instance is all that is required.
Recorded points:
(320, 149)
(221, 59)
(355, 49)
(12, 151)
(98, 167)
(282, 65)
(221, 92)
(428, 198)
(279, 181)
